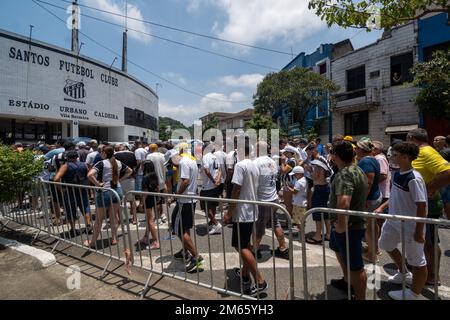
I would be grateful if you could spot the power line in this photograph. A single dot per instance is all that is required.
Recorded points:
(168, 40)
(183, 30)
(137, 65)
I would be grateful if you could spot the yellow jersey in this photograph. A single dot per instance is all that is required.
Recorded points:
(430, 163)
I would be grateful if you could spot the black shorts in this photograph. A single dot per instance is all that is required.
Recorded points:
(430, 230)
(150, 201)
(213, 193)
(182, 218)
(56, 194)
(245, 234)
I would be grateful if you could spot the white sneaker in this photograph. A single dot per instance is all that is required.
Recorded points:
(215, 229)
(409, 295)
(398, 278)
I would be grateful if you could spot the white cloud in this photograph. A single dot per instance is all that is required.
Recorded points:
(118, 7)
(175, 76)
(253, 21)
(212, 102)
(245, 80)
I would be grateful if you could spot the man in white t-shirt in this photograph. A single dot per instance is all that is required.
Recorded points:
(245, 186)
(267, 192)
(212, 178)
(385, 174)
(158, 161)
(91, 155)
(183, 213)
(409, 198)
(231, 160)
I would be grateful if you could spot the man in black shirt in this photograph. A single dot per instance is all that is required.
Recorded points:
(129, 159)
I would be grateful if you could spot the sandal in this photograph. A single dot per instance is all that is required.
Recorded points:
(311, 240)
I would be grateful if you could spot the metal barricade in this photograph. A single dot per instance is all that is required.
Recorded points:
(367, 215)
(58, 199)
(155, 263)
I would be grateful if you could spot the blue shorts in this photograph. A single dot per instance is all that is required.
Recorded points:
(138, 182)
(104, 199)
(355, 237)
(445, 194)
(73, 199)
(320, 200)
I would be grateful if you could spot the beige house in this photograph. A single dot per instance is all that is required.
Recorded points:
(229, 120)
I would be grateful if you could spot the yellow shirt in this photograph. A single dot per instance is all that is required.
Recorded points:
(430, 163)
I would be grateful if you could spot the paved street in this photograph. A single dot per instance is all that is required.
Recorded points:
(217, 268)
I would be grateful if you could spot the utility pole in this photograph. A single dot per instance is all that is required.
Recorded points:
(75, 24)
(125, 41)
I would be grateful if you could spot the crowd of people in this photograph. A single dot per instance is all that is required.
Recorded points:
(409, 178)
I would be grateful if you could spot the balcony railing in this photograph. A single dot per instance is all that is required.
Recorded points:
(367, 97)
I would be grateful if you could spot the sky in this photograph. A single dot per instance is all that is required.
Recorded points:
(190, 83)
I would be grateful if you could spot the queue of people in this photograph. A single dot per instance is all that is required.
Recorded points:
(410, 178)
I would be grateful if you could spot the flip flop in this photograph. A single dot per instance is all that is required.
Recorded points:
(311, 240)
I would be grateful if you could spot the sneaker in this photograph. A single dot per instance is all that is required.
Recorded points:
(409, 295)
(154, 245)
(194, 264)
(398, 278)
(256, 288)
(163, 218)
(341, 284)
(282, 254)
(215, 229)
(245, 281)
(179, 255)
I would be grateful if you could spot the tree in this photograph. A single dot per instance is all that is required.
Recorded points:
(18, 171)
(212, 123)
(375, 14)
(434, 79)
(260, 121)
(300, 89)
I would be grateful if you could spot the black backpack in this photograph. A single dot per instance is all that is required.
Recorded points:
(76, 174)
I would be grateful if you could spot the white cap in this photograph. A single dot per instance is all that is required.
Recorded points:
(81, 144)
(296, 169)
(320, 164)
(290, 149)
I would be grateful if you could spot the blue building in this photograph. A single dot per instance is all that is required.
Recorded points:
(319, 61)
(434, 34)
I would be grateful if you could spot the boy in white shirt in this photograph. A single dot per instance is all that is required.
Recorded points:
(299, 200)
(408, 198)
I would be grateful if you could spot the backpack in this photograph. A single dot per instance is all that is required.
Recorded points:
(97, 159)
(76, 173)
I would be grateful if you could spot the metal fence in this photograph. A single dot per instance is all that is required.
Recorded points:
(52, 208)
(198, 279)
(66, 211)
(367, 216)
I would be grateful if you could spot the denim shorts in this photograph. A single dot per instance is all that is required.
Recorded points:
(338, 244)
(320, 200)
(74, 199)
(445, 194)
(138, 183)
(104, 199)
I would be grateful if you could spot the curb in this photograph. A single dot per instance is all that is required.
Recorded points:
(46, 259)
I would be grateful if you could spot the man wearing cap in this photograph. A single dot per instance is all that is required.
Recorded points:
(82, 151)
(183, 213)
(159, 162)
(435, 171)
(371, 168)
(300, 201)
(140, 154)
(320, 172)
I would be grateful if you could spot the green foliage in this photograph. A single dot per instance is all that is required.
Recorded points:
(374, 14)
(311, 134)
(300, 89)
(261, 121)
(213, 123)
(17, 171)
(165, 123)
(434, 79)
